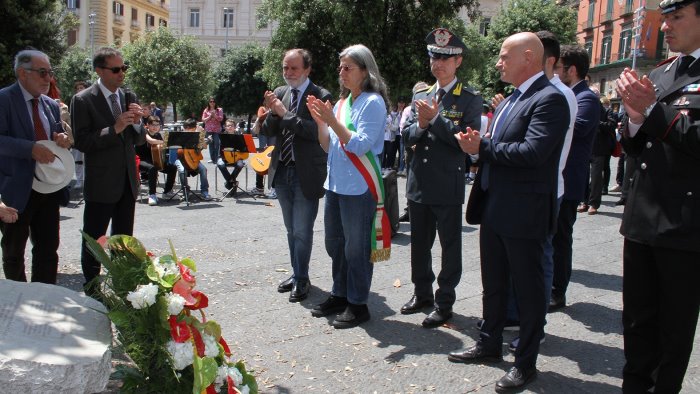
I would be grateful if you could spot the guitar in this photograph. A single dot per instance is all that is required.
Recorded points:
(261, 161)
(158, 156)
(190, 158)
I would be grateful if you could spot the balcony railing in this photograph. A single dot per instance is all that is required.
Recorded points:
(118, 19)
(135, 24)
(607, 17)
(587, 25)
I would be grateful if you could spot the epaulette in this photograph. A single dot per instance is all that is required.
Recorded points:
(426, 89)
(669, 60)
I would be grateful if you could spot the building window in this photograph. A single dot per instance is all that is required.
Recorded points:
(194, 17)
(118, 8)
(134, 14)
(223, 52)
(228, 18)
(162, 22)
(625, 42)
(588, 46)
(609, 12)
(605, 49)
(484, 26)
(591, 14)
(150, 20)
(72, 4)
(72, 37)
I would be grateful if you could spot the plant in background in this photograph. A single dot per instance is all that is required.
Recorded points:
(161, 324)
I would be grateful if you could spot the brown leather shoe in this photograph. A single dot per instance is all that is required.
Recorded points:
(592, 211)
(582, 208)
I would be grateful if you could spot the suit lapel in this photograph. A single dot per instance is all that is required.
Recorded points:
(519, 105)
(22, 111)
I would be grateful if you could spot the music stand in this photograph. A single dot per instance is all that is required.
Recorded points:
(182, 140)
(242, 143)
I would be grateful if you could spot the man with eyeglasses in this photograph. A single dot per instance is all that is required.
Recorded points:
(298, 164)
(435, 182)
(107, 124)
(27, 116)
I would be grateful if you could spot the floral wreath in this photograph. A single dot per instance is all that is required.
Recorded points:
(152, 302)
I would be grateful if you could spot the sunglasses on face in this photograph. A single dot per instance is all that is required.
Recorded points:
(439, 56)
(115, 70)
(346, 68)
(42, 72)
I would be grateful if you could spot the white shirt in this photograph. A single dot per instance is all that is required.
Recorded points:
(573, 110)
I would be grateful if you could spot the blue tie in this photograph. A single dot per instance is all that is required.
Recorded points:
(485, 170)
(506, 110)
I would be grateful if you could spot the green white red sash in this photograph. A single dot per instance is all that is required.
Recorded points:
(369, 169)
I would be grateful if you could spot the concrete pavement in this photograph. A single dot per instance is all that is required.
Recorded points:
(240, 249)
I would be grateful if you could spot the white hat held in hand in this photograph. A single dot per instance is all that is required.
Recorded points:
(54, 176)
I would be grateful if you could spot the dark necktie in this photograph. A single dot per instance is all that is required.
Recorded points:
(39, 131)
(684, 64)
(116, 108)
(486, 168)
(288, 136)
(440, 95)
(506, 110)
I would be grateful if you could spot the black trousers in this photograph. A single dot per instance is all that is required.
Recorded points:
(40, 223)
(661, 299)
(598, 165)
(506, 260)
(425, 220)
(96, 219)
(563, 246)
(170, 170)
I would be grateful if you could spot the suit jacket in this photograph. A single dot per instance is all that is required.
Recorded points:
(310, 159)
(604, 140)
(663, 205)
(437, 165)
(109, 159)
(16, 141)
(577, 170)
(521, 199)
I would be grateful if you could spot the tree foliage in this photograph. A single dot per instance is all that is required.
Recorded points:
(393, 29)
(239, 83)
(519, 16)
(76, 65)
(168, 69)
(42, 24)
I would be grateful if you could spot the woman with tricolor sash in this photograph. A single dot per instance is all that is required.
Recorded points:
(357, 232)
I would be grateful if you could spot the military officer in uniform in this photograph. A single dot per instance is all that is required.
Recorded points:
(436, 176)
(661, 222)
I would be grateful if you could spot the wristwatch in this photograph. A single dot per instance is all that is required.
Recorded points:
(648, 110)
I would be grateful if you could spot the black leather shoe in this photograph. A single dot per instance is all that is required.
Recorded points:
(621, 201)
(353, 316)
(332, 305)
(416, 304)
(437, 318)
(556, 302)
(300, 290)
(404, 217)
(286, 285)
(516, 378)
(476, 353)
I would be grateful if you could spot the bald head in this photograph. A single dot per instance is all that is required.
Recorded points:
(520, 58)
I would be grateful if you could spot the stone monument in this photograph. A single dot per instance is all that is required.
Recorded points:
(52, 340)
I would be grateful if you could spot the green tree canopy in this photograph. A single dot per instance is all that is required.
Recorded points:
(519, 16)
(239, 83)
(76, 65)
(393, 29)
(41, 24)
(169, 69)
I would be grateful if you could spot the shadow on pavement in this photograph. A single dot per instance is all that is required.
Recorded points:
(595, 280)
(596, 318)
(592, 358)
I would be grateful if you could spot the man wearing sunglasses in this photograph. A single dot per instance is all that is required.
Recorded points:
(27, 115)
(106, 125)
(435, 183)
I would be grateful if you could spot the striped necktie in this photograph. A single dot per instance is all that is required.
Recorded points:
(116, 107)
(288, 136)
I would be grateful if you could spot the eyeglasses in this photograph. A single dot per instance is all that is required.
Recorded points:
(41, 71)
(440, 56)
(346, 68)
(115, 70)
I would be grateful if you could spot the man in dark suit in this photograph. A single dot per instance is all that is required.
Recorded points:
(298, 164)
(572, 70)
(661, 222)
(27, 115)
(106, 125)
(435, 182)
(514, 198)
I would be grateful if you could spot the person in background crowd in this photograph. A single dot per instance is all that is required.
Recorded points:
(212, 117)
(357, 233)
(144, 151)
(230, 177)
(661, 252)
(190, 125)
(435, 183)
